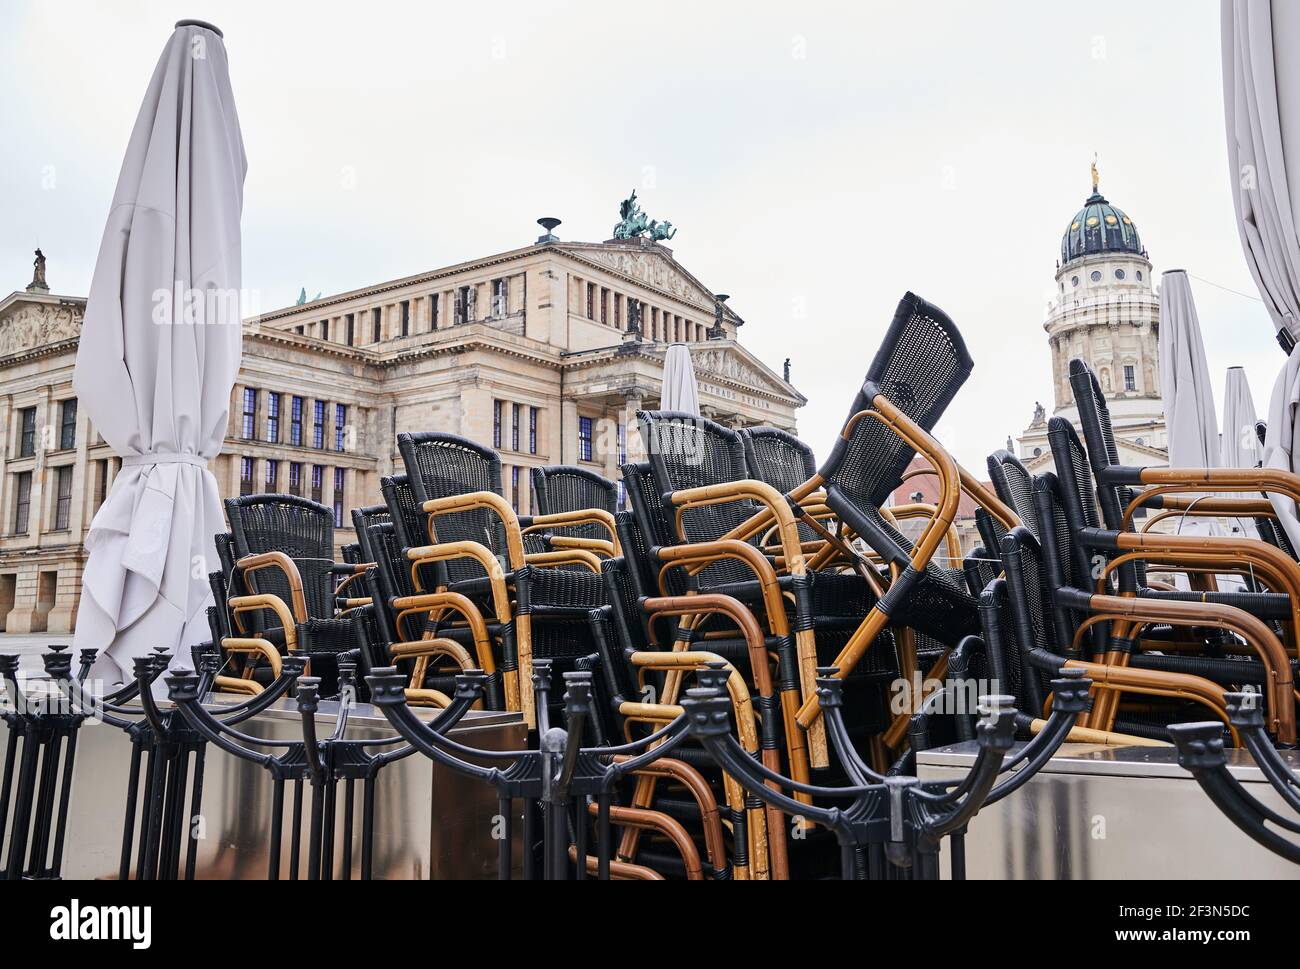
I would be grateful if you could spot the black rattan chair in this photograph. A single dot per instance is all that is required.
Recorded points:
(284, 548)
(478, 551)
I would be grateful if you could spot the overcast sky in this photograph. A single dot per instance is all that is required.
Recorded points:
(819, 159)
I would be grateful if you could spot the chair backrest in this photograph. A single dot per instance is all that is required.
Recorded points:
(644, 528)
(444, 465)
(1014, 485)
(1078, 499)
(777, 457)
(1030, 604)
(979, 569)
(1099, 439)
(690, 452)
(362, 519)
(392, 576)
(404, 510)
(1065, 563)
(920, 366)
(991, 532)
(300, 528)
(561, 488)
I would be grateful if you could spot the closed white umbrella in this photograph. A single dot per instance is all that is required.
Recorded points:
(159, 354)
(680, 391)
(1261, 98)
(1240, 442)
(1193, 427)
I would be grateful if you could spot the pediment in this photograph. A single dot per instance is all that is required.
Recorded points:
(653, 268)
(729, 363)
(28, 324)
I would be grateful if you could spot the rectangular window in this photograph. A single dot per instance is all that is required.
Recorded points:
(22, 502)
(434, 300)
(532, 430)
(516, 414)
(604, 305)
(340, 425)
(317, 482)
(68, 424)
(295, 422)
(272, 476)
(1130, 379)
(377, 323)
(496, 423)
(318, 425)
(246, 476)
(591, 301)
(464, 304)
(498, 298)
(352, 329)
(295, 479)
(514, 487)
(618, 311)
(273, 417)
(324, 329)
(62, 498)
(584, 438)
(27, 439)
(248, 429)
(338, 497)
(406, 317)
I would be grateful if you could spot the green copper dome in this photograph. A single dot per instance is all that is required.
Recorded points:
(1099, 227)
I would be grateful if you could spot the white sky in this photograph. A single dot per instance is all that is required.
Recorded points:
(819, 159)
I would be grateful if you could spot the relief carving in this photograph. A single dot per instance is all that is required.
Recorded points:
(35, 325)
(652, 270)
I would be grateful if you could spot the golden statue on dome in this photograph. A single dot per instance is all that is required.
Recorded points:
(1096, 176)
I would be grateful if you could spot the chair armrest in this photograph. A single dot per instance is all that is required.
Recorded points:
(572, 556)
(751, 490)
(264, 600)
(278, 560)
(588, 516)
(489, 500)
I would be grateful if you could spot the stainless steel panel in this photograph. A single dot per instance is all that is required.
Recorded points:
(429, 822)
(1105, 812)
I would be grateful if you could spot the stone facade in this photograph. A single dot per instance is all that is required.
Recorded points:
(532, 351)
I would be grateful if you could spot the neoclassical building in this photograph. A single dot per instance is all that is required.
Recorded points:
(544, 352)
(1107, 312)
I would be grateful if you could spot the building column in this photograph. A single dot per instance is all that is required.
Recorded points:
(566, 433)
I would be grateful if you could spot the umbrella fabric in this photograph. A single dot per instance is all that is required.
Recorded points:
(159, 355)
(1193, 428)
(1240, 441)
(680, 391)
(1261, 97)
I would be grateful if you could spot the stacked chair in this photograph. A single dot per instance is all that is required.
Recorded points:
(729, 660)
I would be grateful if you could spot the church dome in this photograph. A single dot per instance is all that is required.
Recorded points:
(1099, 227)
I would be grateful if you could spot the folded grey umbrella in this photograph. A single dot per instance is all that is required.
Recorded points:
(680, 390)
(1240, 441)
(1190, 419)
(159, 354)
(1261, 99)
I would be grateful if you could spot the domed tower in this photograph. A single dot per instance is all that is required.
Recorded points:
(1105, 311)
